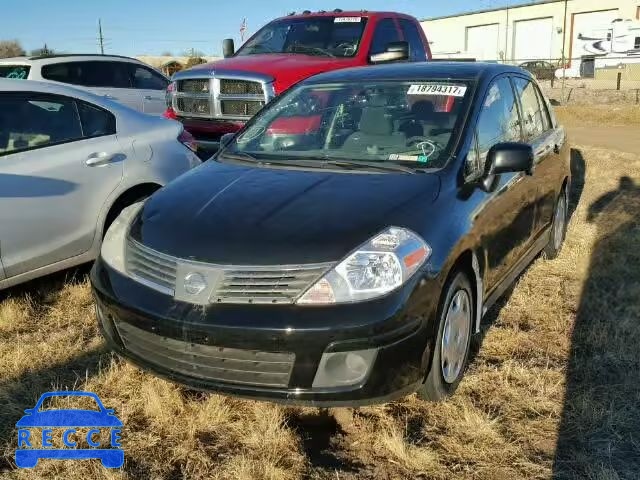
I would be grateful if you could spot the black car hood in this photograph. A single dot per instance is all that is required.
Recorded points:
(228, 214)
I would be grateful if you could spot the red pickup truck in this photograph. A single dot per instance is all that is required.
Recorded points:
(219, 97)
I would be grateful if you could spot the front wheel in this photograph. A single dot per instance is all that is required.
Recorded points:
(558, 228)
(451, 351)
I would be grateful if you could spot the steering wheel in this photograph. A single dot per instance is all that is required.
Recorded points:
(422, 144)
(346, 46)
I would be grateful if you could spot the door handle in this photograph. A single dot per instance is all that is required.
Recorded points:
(148, 97)
(111, 97)
(99, 159)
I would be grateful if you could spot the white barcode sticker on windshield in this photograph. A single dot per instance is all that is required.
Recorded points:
(347, 20)
(436, 89)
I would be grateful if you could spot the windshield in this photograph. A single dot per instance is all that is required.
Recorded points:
(14, 71)
(409, 123)
(321, 36)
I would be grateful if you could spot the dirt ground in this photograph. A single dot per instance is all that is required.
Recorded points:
(552, 390)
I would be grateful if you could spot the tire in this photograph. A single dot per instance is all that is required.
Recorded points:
(558, 227)
(445, 373)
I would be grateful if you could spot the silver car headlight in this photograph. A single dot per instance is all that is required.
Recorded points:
(376, 268)
(114, 243)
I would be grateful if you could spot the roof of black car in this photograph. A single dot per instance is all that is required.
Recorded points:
(416, 71)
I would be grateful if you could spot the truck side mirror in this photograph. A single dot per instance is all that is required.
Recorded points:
(228, 47)
(395, 52)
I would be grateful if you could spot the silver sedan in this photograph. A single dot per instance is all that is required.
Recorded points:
(70, 161)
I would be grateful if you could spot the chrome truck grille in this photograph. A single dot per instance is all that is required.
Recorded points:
(271, 284)
(209, 362)
(225, 97)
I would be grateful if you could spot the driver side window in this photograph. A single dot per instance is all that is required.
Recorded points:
(498, 122)
(386, 32)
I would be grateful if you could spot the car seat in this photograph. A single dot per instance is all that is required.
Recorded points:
(375, 134)
(422, 115)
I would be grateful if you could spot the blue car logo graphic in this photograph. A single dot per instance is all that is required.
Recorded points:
(70, 418)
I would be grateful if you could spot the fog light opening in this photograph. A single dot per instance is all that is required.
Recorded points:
(339, 369)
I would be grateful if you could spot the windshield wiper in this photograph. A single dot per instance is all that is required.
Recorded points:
(242, 156)
(313, 49)
(389, 167)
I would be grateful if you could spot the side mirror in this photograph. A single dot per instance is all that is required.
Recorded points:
(226, 139)
(29, 411)
(395, 52)
(510, 157)
(228, 47)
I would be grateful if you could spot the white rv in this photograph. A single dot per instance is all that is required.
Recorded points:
(606, 45)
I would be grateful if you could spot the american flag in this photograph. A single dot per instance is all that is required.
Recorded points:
(243, 28)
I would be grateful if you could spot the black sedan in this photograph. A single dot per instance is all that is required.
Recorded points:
(540, 69)
(343, 247)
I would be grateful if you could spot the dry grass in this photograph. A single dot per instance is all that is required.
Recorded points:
(553, 389)
(598, 115)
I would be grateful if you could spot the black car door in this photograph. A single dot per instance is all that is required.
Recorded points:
(505, 218)
(547, 143)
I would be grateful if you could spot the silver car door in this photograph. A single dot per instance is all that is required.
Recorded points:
(151, 86)
(111, 80)
(55, 175)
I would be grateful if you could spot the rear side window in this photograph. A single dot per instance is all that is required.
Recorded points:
(417, 52)
(147, 79)
(14, 71)
(95, 121)
(385, 33)
(532, 118)
(29, 121)
(546, 117)
(499, 121)
(89, 73)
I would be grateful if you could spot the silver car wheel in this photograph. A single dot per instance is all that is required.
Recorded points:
(455, 336)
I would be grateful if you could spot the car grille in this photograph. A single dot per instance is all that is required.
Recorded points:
(240, 108)
(268, 284)
(238, 284)
(150, 267)
(197, 85)
(240, 87)
(199, 106)
(209, 362)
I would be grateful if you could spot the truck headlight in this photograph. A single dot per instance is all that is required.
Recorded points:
(114, 243)
(376, 268)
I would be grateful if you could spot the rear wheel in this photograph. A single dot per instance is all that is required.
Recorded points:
(451, 351)
(558, 228)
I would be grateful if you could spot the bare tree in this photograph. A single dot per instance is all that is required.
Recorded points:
(10, 48)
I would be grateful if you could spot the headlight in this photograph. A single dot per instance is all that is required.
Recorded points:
(114, 243)
(379, 266)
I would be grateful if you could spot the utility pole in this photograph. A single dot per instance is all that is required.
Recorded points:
(100, 37)
(506, 34)
(564, 44)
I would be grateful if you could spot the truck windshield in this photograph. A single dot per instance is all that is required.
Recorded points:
(14, 71)
(322, 36)
(401, 122)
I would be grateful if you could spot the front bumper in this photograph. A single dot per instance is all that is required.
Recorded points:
(207, 132)
(399, 327)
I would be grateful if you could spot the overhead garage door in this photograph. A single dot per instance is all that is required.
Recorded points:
(482, 42)
(532, 39)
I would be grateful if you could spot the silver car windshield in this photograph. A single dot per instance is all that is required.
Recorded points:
(399, 122)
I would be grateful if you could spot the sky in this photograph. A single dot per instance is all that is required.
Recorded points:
(146, 27)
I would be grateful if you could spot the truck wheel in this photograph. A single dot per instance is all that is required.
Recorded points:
(558, 228)
(451, 351)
